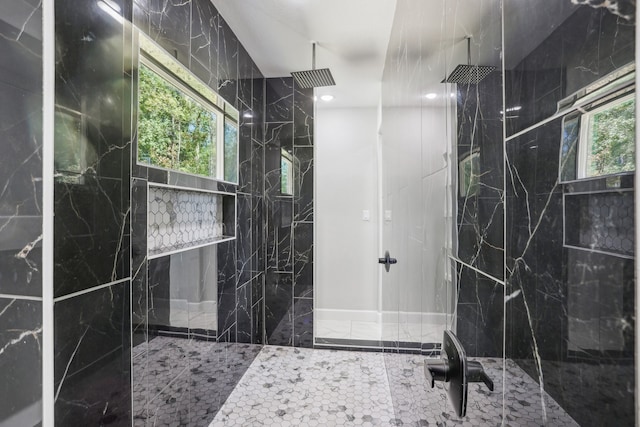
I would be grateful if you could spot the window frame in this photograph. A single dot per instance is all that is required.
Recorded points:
(161, 63)
(584, 138)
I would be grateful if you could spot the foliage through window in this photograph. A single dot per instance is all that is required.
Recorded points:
(469, 174)
(607, 145)
(286, 172)
(179, 130)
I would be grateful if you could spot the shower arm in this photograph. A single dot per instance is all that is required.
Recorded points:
(468, 50)
(313, 55)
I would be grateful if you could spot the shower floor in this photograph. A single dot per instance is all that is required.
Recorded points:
(287, 386)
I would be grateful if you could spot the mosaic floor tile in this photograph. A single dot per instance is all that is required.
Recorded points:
(302, 387)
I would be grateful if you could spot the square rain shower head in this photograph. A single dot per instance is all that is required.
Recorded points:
(313, 78)
(469, 74)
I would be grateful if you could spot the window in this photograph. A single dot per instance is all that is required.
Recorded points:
(598, 135)
(182, 124)
(230, 152)
(286, 172)
(469, 174)
(607, 139)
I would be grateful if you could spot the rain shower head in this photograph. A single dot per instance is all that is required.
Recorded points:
(313, 78)
(469, 74)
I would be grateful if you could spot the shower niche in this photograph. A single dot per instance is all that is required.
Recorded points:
(179, 219)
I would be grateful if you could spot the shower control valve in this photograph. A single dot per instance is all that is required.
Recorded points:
(387, 261)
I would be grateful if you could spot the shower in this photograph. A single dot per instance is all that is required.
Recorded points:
(315, 77)
(469, 73)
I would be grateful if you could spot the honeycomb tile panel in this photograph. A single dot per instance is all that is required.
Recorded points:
(180, 219)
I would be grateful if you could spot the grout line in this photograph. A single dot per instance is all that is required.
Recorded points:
(86, 291)
(495, 279)
(21, 297)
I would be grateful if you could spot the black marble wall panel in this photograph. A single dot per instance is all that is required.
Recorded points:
(303, 259)
(480, 313)
(245, 150)
(279, 95)
(21, 143)
(279, 136)
(92, 149)
(92, 363)
(170, 23)
(480, 218)
(243, 316)
(227, 63)
(589, 44)
(303, 322)
(570, 311)
(227, 284)
(258, 106)
(204, 37)
(92, 162)
(289, 217)
(21, 361)
(303, 184)
(21, 262)
(245, 77)
(303, 116)
(244, 239)
(279, 311)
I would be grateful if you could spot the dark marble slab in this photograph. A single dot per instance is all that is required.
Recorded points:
(279, 95)
(278, 301)
(257, 322)
(170, 25)
(92, 244)
(303, 183)
(258, 234)
(139, 262)
(245, 150)
(227, 63)
(257, 105)
(244, 239)
(245, 76)
(303, 322)
(21, 344)
(303, 115)
(92, 357)
(21, 140)
(204, 38)
(303, 260)
(92, 149)
(244, 313)
(21, 255)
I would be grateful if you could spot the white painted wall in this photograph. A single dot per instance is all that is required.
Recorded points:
(346, 184)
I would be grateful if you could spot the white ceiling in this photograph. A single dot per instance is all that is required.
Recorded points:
(351, 36)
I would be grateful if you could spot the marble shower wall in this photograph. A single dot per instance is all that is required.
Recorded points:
(229, 274)
(569, 297)
(570, 311)
(288, 290)
(91, 223)
(20, 213)
(480, 217)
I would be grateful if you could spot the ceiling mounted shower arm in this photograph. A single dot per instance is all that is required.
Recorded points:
(313, 55)
(313, 78)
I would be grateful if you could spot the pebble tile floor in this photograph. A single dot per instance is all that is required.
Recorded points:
(287, 386)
